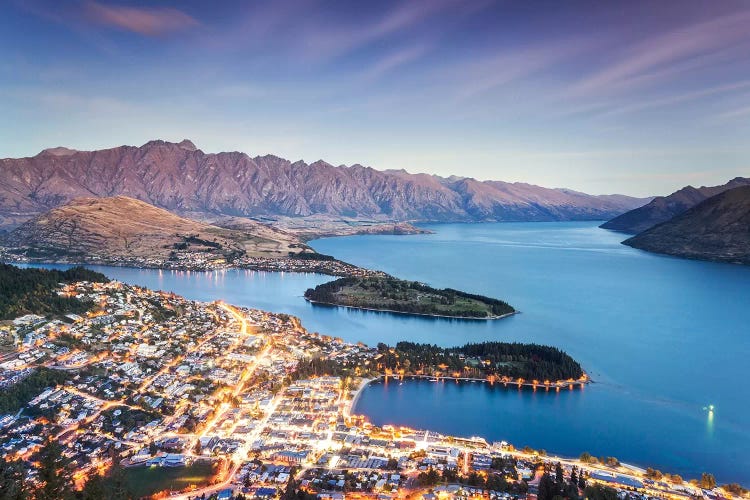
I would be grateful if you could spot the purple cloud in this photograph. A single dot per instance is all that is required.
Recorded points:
(662, 57)
(144, 21)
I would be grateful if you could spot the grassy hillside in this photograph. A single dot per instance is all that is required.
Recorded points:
(122, 227)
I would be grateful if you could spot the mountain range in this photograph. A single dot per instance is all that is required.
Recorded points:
(183, 179)
(717, 228)
(663, 208)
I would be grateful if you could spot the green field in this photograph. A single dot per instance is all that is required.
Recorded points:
(411, 297)
(144, 481)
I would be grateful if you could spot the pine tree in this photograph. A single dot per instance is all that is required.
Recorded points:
(547, 488)
(117, 484)
(95, 488)
(12, 484)
(55, 473)
(559, 475)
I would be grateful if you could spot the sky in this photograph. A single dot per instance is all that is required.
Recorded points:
(633, 97)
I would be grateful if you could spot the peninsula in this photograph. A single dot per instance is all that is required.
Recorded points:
(386, 293)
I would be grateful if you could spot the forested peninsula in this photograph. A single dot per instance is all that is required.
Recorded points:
(511, 360)
(386, 293)
(502, 362)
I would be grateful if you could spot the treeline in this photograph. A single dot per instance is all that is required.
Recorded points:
(27, 291)
(536, 359)
(325, 292)
(317, 367)
(553, 485)
(399, 295)
(15, 397)
(495, 480)
(312, 256)
(514, 360)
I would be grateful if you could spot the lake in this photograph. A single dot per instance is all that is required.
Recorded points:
(662, 338)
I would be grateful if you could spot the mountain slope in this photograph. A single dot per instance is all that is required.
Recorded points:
(715, 229)
(122, 227)
(183, 179)
(663, 208)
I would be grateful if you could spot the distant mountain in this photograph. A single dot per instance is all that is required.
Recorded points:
(663, 208)
(126, 228)
(183, 179)
(716, 229)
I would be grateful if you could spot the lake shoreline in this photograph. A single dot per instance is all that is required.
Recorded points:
(391, 311)
(557, 385)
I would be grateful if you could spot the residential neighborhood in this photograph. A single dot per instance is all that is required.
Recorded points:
(228, 401)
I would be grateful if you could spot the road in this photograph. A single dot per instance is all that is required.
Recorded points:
(241, 454)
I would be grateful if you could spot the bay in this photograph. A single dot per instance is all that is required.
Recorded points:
(662, 338)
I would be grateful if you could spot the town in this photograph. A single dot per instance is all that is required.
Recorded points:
(201, 261)
(201, 400)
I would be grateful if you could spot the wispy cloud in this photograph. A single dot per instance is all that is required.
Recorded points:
(506, 66)
(144, 21)
(662, 57)
(51, 99)
(678, 99)
(239, 91)
(734, 113)
(396, 59)
(325, 42)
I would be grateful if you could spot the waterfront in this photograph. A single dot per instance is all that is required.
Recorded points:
(662, 338)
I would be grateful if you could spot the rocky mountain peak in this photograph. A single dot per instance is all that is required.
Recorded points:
(58, 151)
(187, 144)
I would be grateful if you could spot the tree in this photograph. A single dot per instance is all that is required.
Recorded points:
(547, 488)
(571, 491)
(289, 492)
(735, 489)
(596, 492)
(708, 482)
(95, 488)
(152, 449)
(559, 475)
(450, 475)
(55, 473)
(117, 485)
(12, 480)
(654, 474)
(429, 478)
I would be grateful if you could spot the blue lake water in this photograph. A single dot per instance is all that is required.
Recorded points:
(662, 337)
